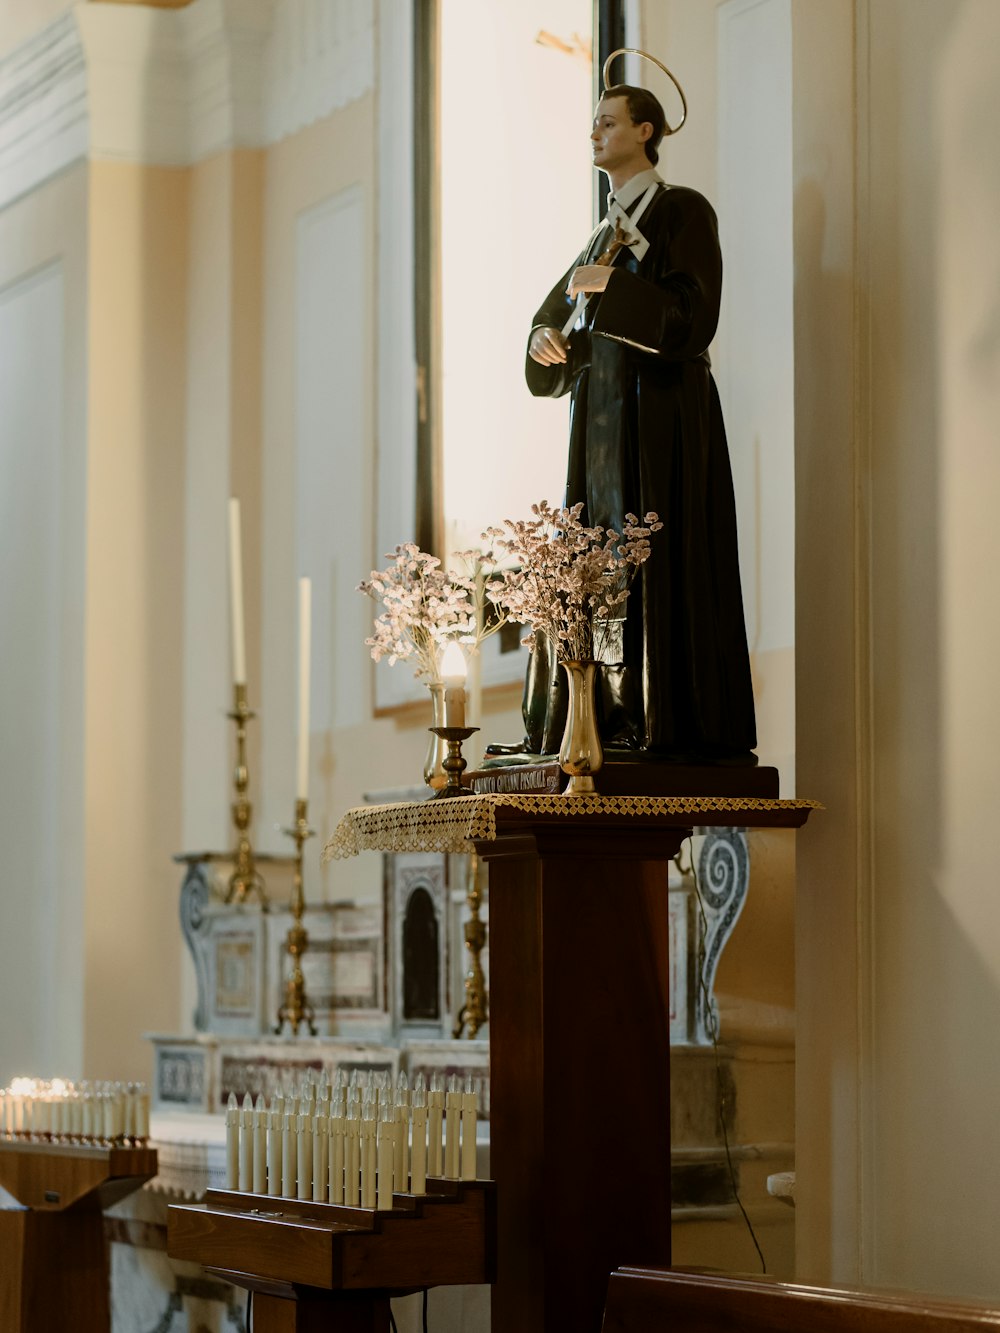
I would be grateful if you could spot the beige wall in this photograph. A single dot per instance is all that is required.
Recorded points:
(135, 480)
(42, 967)
(896, 372)
(934, 1097)
(222, 445)
(105, 948)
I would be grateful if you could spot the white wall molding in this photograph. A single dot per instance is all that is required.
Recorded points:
(131, 83)
(321, 55)
(43, 109)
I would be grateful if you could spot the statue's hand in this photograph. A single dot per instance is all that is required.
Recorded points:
(547, 347)
(589, 278)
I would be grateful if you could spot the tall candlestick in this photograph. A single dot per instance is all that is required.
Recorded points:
(305, 642)
(236, 594)
(296, 1008)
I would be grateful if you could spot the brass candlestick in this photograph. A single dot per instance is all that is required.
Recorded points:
(297, 1010)
(454, 762)
(474, 1012)
(245, 878)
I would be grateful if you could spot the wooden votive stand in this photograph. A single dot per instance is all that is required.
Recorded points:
(54, 1272)
(580, 1051)
(328, 1268)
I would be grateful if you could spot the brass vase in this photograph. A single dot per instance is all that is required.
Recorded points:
(580, 754)
(437, 750)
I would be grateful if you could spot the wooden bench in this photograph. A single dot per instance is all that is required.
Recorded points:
(647, 1300)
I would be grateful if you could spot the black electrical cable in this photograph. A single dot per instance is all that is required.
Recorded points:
(426, 1294)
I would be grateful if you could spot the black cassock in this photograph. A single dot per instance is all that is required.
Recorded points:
(646, 433)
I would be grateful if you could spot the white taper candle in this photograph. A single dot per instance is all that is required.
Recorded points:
(236, 594)
(305, 646)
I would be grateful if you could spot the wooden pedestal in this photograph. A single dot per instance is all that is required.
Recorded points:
(580, 1055)
(325, 1267)
(54, 1272)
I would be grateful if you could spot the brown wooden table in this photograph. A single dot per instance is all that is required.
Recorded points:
(329, 1268)
(580, 1051)
(54, 1272)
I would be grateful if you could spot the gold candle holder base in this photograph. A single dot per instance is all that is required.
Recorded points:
(297, 1011)
(454, 762)
(246, 878)
(473, 1013)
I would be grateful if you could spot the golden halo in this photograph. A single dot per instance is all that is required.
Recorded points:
(634, 51)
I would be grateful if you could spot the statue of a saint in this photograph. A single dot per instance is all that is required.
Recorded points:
(626, 332)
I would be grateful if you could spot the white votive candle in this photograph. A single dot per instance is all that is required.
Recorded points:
(260, 1146)
(246, 1144)
(469, 1100)
(435, 1116)
(352, 1154)
(369, 1152)
(401, 1160)
(386, 1155)
(338, 1126)
(321, 1155)
(418, 1143)
(289, 1150)
(275, 1128)
(305, 1155)
(453, 1113)
(232, 1142)
(142, 1115)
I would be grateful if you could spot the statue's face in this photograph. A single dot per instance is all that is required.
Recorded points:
(614, 139)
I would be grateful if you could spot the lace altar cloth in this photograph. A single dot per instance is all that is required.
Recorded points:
(453, 825)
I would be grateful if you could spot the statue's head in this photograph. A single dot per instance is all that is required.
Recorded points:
(643, 109)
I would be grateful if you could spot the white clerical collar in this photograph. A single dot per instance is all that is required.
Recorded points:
(634, 187)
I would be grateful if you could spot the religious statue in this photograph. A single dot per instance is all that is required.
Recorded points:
(626, 333)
